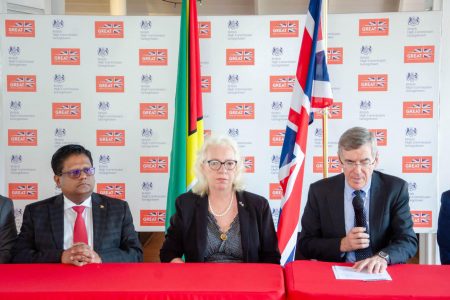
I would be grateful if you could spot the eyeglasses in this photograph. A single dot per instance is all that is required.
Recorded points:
(365, 164)
(215, 164)
(77, 172)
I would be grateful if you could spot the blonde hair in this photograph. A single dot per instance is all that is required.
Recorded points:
(201, 187)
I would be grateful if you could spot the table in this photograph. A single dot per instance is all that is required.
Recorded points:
(142, 281)
(315, 280)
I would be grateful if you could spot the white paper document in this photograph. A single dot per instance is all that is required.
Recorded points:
(348, 273)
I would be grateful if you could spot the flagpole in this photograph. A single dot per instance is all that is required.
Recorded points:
(325, 110)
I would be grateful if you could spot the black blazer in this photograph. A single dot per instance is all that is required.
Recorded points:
(187, 232)
(41, 237)
(443, 232)
(8, 231)
(391, 226)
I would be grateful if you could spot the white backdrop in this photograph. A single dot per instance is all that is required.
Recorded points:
(109, 84)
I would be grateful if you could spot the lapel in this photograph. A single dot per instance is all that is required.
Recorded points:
(335, 198)
(56, 215)
(377, 206)
(244, 218)
(201, 217)
(99, 209)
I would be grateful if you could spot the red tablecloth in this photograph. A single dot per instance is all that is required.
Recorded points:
(315, 280)
(142, 281)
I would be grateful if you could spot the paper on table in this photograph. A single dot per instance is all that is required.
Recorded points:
(349, 273)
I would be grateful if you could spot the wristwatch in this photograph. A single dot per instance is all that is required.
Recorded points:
(385, 256)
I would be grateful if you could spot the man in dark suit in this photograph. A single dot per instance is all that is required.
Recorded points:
(443, 232)
(331, 222)
(8, 231)
(78, 226)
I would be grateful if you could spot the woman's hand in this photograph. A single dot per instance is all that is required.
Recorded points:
(177, 260)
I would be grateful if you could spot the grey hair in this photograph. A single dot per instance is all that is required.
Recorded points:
(201, 187)
(356, 137)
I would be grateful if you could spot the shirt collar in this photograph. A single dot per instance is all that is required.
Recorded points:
(69, 204)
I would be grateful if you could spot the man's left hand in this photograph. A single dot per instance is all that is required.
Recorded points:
(374, 264)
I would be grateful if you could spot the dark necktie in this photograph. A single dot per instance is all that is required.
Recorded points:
(361, 221)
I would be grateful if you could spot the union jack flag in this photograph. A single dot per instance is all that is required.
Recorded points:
(205, 82)
(158, 109)
(160, 163)
(248, 163)
(425, 108)
(158, 216)
(312, 89)
(426, 52)
(246, 55)
(246, 109)
(73, 109)
(27, 81)
(424, 163)
(159, 54)
(334, 164)
(421, 217)
(27, 26)
(27, 189)
(204, 28)
(117, 135)
(378, 80)
(380, 135)
(334, 54)
(73, 54)
(116, 82)
(291, 26)
(290, 81)
(116, 28)
(381, 25)
(30, 136)
(115, 189)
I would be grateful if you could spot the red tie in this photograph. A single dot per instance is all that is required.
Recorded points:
(79, 230)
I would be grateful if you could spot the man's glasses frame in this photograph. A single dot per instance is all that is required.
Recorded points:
(215, 164)
(365, 164)
(77, 172)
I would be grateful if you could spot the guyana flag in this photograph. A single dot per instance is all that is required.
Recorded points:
(188, 120)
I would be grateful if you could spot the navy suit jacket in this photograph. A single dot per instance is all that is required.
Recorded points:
(41, 237)
(187, 232)
(391, 226)
(8, 231)
(443, 233)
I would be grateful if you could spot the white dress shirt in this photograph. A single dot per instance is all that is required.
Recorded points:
(69, 221)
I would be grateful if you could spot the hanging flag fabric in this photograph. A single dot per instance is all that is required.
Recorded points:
(188, 120)
(312, 89)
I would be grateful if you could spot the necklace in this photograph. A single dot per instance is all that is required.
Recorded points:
(226, 211)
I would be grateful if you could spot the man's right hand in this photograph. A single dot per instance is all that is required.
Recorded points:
(356, 238)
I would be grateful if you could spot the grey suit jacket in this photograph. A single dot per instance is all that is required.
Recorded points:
(391, 226)
(8, 231)
(42, 233)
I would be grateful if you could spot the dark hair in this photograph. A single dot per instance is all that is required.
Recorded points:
(64, 152)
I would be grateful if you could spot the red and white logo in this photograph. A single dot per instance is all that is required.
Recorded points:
(206, 133)
(238, 57)
(418, 109)
(335, 56)
(20, 28)
(373, 83)
(206, 84)
(417, 164)
(114, 190)
(334, 165)
(282, 83)
(110, 84)
(422, 218)
(22, 137)
(335, 111)
(23, 191)
(21, 83)
(204, 30)
(154, 111)
(153, 217)
(66, 56)
(249, 164)
(153, 57)
(154, 164)
(380, 135)
(419, 54)
(109, 29)
(276, 137)
(240, 111)
(284, 29)
(374, 27)
(66, 110)
(110, 137)
(275, 191)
